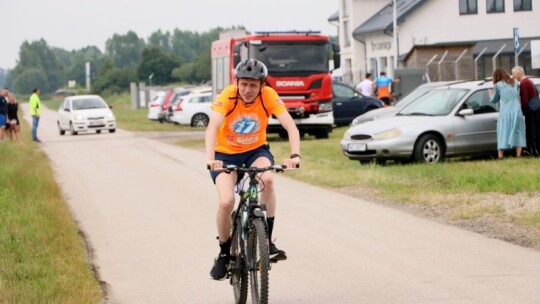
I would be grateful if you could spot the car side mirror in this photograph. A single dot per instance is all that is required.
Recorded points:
(110, 107)
(466, 112)
(67, 110)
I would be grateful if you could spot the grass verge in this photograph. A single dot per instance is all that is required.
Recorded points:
(42, 256)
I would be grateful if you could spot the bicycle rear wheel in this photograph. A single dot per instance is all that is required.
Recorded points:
(239, 275)
(258, 262)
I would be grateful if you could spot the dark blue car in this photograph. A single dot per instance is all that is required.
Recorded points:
(348, 103)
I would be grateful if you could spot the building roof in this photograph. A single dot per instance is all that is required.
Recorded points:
(383, 19)
(334, 17)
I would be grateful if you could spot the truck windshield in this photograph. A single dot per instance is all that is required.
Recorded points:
(292, 58)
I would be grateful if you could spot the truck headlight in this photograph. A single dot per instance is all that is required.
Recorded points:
(325, 106)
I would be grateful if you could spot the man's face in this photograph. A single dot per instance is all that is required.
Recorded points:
(516, 75)
(249, 89)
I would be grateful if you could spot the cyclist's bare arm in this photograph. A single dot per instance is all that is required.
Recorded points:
(216, 119)
(294, 138)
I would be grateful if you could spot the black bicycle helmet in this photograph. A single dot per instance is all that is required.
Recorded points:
(251, 68)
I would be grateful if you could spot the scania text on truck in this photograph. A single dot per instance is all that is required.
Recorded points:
(298, 69)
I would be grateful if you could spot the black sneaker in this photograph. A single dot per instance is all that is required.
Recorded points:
(219, 271)
(275, 253)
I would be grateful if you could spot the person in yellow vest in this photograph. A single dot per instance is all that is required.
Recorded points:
(35, 112)
(236, 135)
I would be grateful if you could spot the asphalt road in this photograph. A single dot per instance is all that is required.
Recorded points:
(148, 210)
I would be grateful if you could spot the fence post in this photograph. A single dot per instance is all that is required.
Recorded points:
(476, 63)
(456, 63)
(439, 70)
(427, 67)
(493, 61)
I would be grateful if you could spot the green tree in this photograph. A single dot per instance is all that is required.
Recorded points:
(155, 61)
(161, 40)
(38, 55)
(112, 79)
(124, 50)
(30, 78)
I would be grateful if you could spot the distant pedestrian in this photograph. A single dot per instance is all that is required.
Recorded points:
(3, 114)
(382, 84)
(527, 91)
(510, 124)
(366, 86)
(35, 112)
(13, 123)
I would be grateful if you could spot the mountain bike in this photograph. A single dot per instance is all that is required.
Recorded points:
(249, 249)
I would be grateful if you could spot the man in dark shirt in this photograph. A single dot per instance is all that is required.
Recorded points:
(527, 91)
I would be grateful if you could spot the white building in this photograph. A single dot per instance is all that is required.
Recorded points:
(474, 29)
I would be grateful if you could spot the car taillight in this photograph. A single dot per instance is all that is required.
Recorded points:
(153, 105)
(178, 107)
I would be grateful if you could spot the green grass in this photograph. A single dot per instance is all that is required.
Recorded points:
(42, 256)
(461, 187)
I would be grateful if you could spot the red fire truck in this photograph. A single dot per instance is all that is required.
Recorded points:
(298, 68)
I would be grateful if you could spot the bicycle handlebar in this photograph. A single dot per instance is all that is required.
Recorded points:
(230, 168)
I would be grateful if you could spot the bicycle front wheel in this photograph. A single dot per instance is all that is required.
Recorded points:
(239, 275)
(258, 262)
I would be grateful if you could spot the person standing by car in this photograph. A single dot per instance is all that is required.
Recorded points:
(366, 86)
(236, 135)
(382, 84)
(3, 114)
(527, 91)
(510, 125)
(35, 112)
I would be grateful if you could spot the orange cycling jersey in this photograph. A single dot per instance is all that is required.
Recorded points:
(244, 127)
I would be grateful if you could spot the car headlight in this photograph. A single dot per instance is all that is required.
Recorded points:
(387, 134)
(356, 121)
(347, 136)
(110, 115)
(79, 117)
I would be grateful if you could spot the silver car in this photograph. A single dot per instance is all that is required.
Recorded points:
(454, 120)
(405, 101)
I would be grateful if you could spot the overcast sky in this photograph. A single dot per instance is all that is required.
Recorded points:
(74, 24)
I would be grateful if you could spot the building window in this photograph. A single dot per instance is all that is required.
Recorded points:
(346, 34)
(522, 5)
(495, 6)
(467, 7)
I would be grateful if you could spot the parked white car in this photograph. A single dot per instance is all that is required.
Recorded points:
(154, 107)
(193, 110)
(85, 113)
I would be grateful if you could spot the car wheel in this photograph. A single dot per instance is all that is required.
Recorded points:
(72, 129)
(60, 131)
(98, 131)
(112, 130)
(199, 120)
(428, 149)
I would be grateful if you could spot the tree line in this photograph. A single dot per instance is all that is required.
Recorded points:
(178, 56)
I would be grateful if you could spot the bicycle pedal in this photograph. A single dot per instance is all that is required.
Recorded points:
(277, 258)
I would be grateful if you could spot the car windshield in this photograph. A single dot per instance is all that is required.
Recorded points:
(412, 96)
(88, 103)
(435, 103)
(283, 57)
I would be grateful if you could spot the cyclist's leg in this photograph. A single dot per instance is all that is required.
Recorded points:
(225, 188)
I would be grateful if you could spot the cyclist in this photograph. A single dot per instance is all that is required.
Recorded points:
(236, 135)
